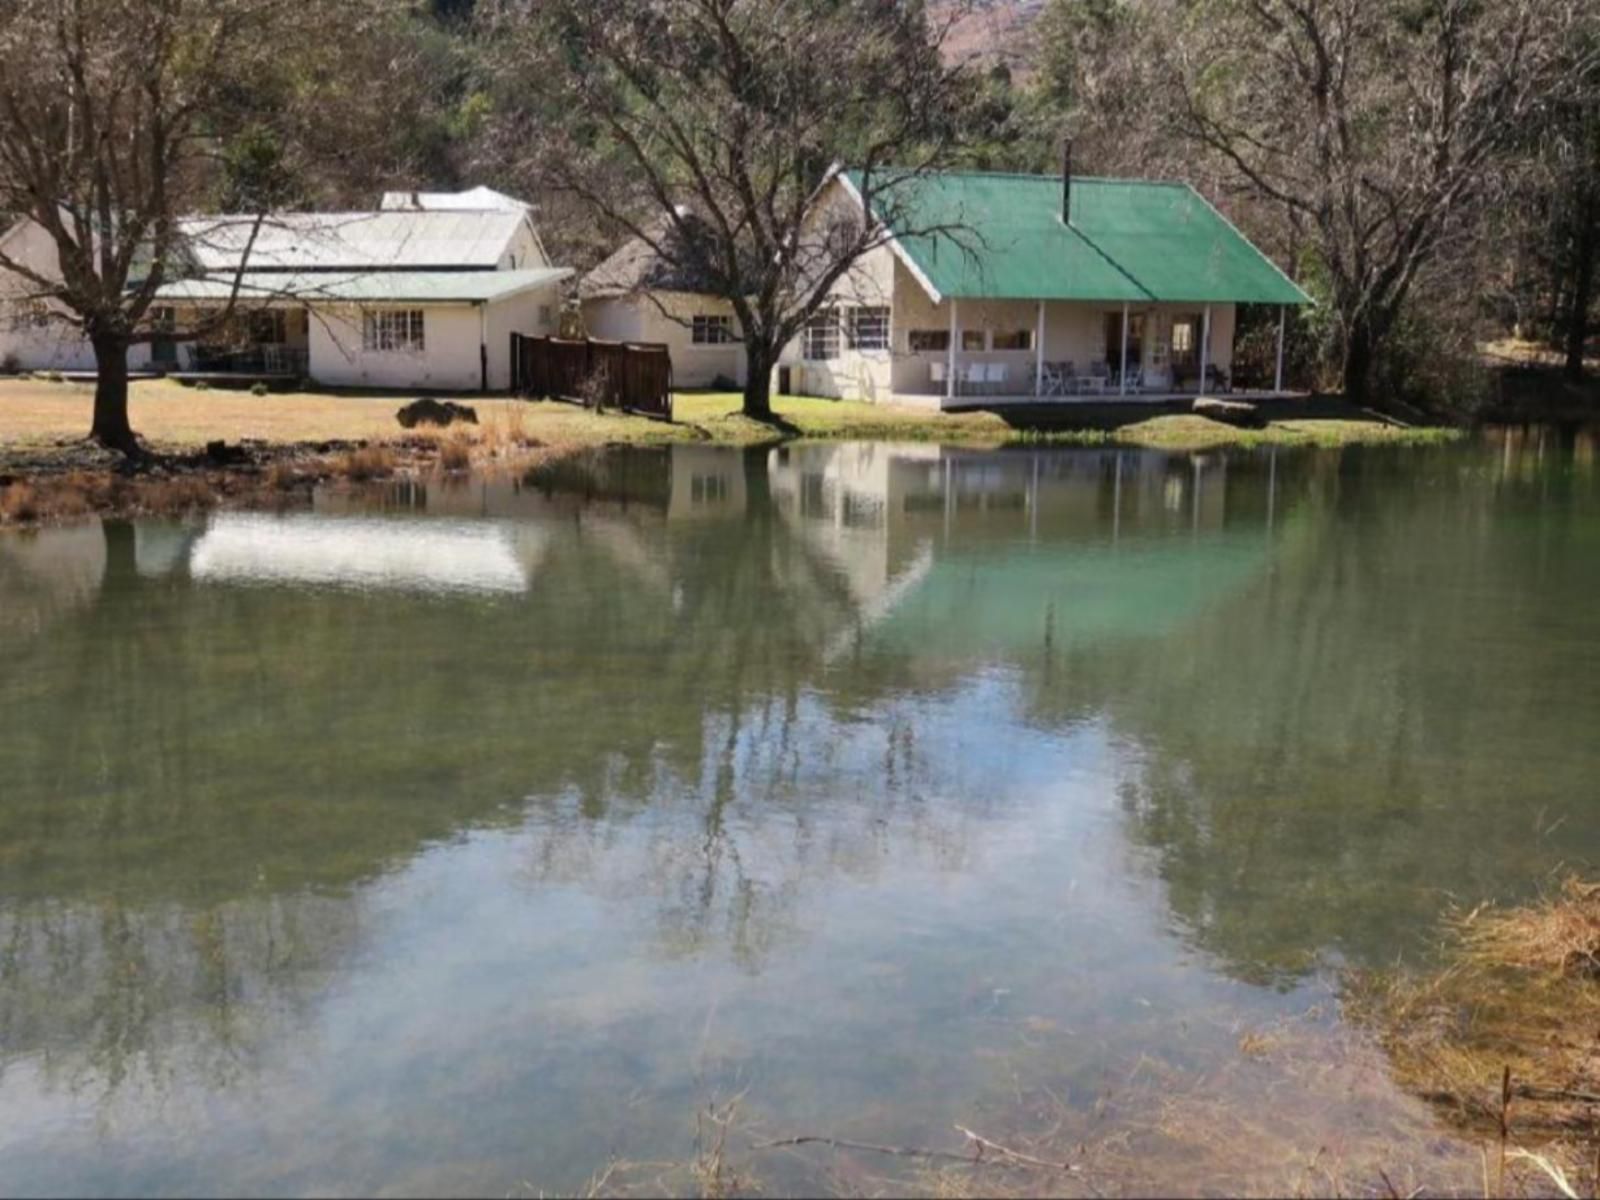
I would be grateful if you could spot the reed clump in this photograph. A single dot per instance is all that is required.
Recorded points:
(364, 463)
(1504, 1037)
(455, 453)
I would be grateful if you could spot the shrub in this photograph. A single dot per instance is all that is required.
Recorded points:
(54, 376)
(19, 502)
(200, 385)
(592, 391)
(258, 388)
(11, 364)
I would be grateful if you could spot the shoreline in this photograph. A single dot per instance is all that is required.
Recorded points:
(218, 449)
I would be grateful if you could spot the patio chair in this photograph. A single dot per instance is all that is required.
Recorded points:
(1096, 379)
(995, 377)
(936, 375)
(1056, 379)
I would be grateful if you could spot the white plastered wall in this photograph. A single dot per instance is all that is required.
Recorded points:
(448, 362)
(58, 344)
(533, 313)
(667, 318)
(873, 281)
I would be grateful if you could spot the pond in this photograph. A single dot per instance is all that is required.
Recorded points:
(466, 839)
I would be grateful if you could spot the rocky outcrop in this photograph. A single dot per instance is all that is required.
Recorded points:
(1239, 413)
(435, 412)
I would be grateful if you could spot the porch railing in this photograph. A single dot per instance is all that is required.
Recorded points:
(265, 358)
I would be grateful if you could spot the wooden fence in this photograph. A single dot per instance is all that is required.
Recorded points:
(629, 375)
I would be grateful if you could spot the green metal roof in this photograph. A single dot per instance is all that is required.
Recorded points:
(1001, 237)
(368, 287)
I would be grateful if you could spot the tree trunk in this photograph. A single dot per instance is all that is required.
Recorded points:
(111, 428)
(1359, 355)
(758, 383)
(1582, 294)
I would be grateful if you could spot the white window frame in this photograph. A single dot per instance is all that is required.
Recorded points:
(1026, 336)
(935, 341)
(711, 329)
(394, 331)
(820, 340)
(869, 327)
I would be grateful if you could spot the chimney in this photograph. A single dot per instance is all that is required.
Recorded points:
(1066, 182)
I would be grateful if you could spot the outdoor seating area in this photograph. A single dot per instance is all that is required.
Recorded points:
(1066, 379)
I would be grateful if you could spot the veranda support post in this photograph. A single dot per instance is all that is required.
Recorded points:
(1038, 355)
(950, 356)
(1122, 372)
(1277, 378)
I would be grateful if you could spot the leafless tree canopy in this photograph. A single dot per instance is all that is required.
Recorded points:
(116, 117)
(1380, 129)
(705, 128)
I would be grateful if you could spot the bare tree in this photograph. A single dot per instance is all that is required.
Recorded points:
(1379, 128)
(114, 116)
(705, 127)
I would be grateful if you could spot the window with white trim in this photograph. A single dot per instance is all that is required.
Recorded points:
(393, 329)
(708, 330)
(869, 328)
(821, 338)
(928, 341)
(974, 339)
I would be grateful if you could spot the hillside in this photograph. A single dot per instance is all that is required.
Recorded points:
(989, 29)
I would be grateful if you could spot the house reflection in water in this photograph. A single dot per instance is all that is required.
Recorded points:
(1015, 549)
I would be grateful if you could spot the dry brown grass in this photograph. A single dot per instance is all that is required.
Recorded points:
(455, 453)
(1559, 936)
(364, 463)
(19, 502)
(1504, 1038)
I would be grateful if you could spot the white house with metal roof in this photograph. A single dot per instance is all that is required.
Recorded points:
(993, 289)
(404, 297)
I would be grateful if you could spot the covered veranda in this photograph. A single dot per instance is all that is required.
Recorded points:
(1058, 352)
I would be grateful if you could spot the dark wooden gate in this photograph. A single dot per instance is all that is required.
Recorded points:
(630, 375)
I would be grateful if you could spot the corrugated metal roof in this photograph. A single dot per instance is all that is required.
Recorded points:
(380, 287)
(346, 241)
(1137, 240)
(473, 198)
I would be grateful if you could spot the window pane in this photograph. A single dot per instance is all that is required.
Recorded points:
(1014, 339)
(869, 328)
(924, 341)
(822, 336)
(972, 339)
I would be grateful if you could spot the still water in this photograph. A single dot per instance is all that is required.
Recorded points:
(464, 839)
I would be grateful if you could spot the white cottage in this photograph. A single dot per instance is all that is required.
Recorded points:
(410, 296)
(636, 295)
(995, 288)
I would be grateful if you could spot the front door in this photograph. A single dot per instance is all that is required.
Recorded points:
(1185, 346)
(1135, 343)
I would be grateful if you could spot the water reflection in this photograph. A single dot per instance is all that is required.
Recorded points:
(852, 768)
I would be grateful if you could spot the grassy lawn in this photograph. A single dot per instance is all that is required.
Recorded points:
(36, 413)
